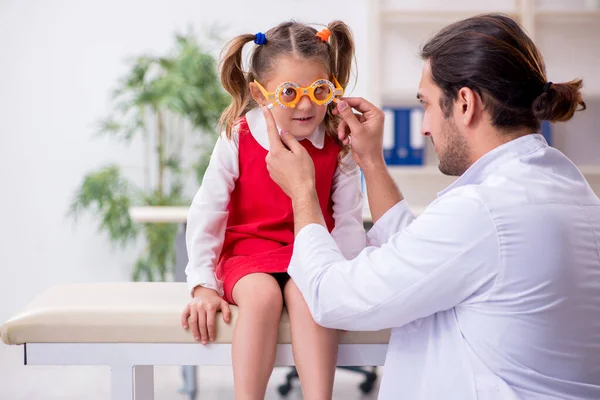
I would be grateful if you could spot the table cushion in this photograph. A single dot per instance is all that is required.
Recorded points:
(128, 312)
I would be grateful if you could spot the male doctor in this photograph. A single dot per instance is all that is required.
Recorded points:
(494, 291)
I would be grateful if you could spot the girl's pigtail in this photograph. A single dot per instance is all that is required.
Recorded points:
(234, 81)
(342, 51)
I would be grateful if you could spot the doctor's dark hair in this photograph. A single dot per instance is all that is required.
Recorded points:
(288, 38)
(492, 55)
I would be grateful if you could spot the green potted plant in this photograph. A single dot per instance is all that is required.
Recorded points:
(155, 99)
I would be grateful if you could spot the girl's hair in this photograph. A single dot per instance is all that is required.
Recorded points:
(286, 39)
(494, 57)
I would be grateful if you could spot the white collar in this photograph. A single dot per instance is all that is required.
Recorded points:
(258, 128)
(490, 161)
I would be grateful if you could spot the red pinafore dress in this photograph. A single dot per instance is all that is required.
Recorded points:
(260, 227)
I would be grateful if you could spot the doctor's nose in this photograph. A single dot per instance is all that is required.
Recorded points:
(425, 131)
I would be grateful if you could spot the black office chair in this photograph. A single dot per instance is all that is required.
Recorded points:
(366, 386)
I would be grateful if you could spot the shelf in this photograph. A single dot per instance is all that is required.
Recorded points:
(436, 16)
(178, 215)
(419, 184)
(399, 99)
(415, 170)
(547, 15)
(433, 171)
(158, 214)
(590, 170)
(447, 16)
(404, 99)
(590, 96)
(396, 67)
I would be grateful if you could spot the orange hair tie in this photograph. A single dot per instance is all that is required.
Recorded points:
(324, 35)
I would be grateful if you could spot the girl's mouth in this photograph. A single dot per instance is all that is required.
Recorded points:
(303, 119)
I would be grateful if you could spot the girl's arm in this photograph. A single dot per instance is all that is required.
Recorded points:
(349, 232)
(207, 217)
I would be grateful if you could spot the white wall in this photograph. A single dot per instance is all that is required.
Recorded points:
(59, 60)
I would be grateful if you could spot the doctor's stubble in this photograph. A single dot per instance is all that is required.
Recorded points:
(454, 156)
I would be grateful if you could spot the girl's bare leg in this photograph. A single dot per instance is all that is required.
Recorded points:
(260, 303)
(315, 348)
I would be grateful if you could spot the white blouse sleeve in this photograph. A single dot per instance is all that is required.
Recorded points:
(207, 217)
(347, 197)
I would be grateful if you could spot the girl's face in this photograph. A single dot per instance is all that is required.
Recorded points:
(302, 120)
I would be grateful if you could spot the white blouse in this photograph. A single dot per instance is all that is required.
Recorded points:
(207, 217)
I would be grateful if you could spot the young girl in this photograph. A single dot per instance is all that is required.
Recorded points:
(240, 230)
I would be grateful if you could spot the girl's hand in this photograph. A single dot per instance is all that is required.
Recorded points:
(201, 312)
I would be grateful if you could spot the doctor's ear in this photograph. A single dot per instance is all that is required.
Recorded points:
(257, 94)
(468, 103)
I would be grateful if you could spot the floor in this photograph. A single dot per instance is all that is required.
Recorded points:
(92, 383)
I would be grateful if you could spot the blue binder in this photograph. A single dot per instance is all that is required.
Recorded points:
(403, 143)
(546, 131)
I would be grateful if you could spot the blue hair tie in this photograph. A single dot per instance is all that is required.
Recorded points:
(260, 38)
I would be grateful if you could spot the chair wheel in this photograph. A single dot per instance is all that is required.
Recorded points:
(284, 389)
(366, 387)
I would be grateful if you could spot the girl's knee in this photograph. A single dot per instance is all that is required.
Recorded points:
(258, 293)
(266, 298)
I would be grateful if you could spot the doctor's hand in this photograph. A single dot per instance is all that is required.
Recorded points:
(364, 132)
(288, 162)
(200, 314)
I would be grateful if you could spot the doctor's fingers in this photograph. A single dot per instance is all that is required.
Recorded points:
(349, 117)
(359, 104)
(343, 129)
(343, 132)
(370, 124)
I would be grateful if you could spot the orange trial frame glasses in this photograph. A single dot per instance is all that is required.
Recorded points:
(288, 94)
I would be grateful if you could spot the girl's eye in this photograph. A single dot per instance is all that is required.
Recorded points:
(322, 92)
(288, 94)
